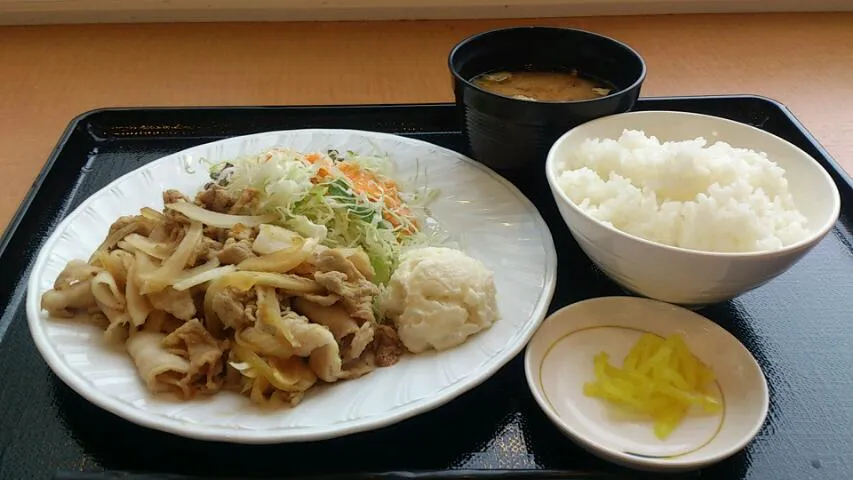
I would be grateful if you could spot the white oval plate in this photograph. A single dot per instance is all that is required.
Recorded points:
(486, 215)
(559, 360)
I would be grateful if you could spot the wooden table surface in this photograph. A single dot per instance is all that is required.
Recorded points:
(49, 74)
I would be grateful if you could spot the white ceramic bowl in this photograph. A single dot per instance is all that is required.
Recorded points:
(559, 360)
(691, 277)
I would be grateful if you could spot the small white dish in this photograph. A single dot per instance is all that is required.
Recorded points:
(559, 360)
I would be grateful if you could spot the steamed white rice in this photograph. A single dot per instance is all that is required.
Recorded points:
(685, 194)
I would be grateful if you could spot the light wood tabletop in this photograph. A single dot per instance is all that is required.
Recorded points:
(49, 74)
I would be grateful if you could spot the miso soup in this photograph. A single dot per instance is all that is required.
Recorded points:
(541, 86)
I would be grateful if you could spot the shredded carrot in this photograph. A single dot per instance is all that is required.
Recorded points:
(324, 170)
(366, 182)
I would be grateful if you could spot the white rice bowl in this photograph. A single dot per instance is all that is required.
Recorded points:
(685, 193)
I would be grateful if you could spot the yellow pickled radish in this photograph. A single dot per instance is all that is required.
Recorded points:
(660, 379)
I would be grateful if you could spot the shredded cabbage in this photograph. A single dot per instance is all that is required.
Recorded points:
(317, 200)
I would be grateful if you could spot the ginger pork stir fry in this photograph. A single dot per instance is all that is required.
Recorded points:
(206, 297)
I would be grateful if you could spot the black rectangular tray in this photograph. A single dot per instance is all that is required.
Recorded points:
(799, 326)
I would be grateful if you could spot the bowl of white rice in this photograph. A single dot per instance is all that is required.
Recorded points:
(686, 208)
